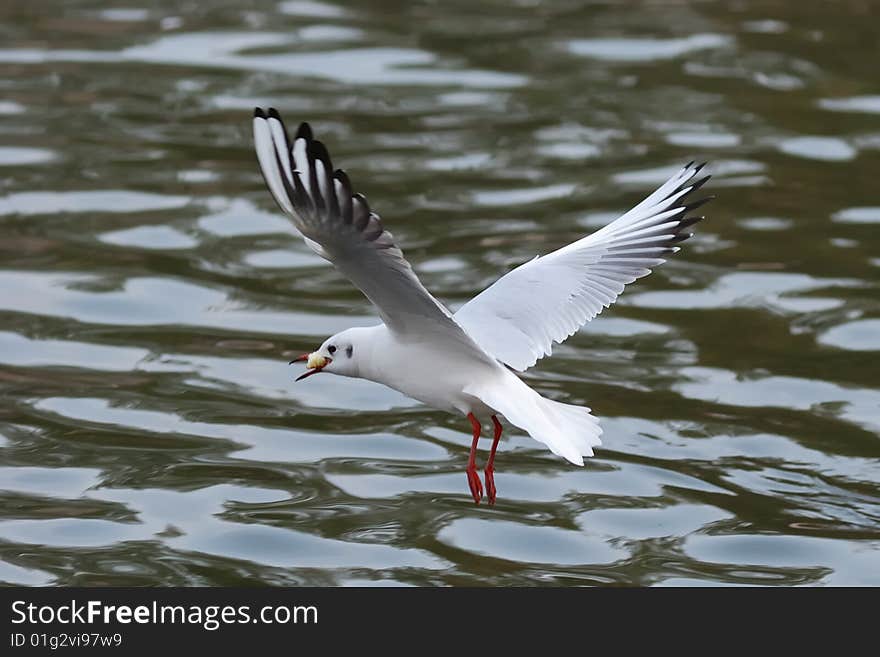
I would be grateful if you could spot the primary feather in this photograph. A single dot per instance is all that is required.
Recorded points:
(339, 225)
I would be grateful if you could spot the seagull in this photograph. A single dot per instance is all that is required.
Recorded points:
(466, 362)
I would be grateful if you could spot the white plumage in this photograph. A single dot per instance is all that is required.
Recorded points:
(519, 317)
(462, 362)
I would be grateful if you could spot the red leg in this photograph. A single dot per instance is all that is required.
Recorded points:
(490, 464)
(473, 478)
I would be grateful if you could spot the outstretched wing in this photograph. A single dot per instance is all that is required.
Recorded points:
(339, 225)
(519, 317)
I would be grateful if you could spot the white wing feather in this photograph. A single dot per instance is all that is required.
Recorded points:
(519, 317)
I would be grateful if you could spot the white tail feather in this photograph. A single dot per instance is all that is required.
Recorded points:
(569, 431)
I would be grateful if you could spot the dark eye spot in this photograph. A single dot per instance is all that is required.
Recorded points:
(349, 350)
(331, 349)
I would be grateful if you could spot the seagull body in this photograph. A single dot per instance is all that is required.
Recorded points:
(466, 362)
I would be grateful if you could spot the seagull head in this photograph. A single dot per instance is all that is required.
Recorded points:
(338, 355)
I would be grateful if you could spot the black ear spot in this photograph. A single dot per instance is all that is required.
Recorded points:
(349, 350)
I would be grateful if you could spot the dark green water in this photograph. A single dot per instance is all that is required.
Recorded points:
(150, 294)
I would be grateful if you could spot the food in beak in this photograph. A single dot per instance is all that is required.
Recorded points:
(314, 361)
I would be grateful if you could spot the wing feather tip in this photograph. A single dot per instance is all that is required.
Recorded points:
(304, 131)
(342, 177)
(702, 181)
(690, 221)
(696, 204)
(681, 237)
(318, 150)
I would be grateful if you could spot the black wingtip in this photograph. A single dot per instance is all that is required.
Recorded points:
(258, 113)
(689, 221)
(363, 199)
(319, 152)
(699, 183)
(304, 131)
(695, 204)
(342, 177)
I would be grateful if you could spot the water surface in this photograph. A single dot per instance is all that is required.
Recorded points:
(151, 295)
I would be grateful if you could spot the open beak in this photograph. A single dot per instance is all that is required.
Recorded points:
(315, 362)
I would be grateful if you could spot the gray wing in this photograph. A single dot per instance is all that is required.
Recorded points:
(339, 225)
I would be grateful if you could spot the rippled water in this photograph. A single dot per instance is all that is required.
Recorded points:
(150, 294)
